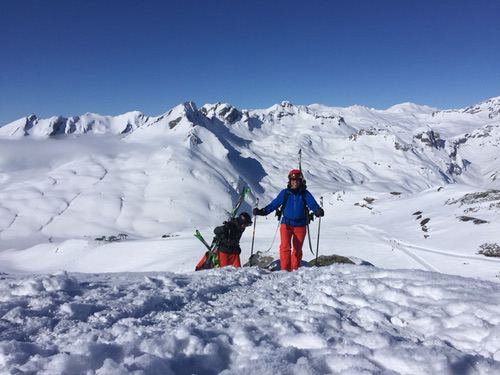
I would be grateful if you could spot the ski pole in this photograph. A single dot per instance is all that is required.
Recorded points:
(308, 219)
(309, 238)
(319, 229)
(253, 234)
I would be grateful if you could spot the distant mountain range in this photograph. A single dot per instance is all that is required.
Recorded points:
(440, 146)
(138, 174)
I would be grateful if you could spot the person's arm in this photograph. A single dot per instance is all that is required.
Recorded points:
(220, 231)
(313, 205)
(278, 201)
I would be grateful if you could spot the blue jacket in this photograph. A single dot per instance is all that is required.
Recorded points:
(294, 213)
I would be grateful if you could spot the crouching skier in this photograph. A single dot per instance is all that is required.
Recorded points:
(295, 202)
(228, 236)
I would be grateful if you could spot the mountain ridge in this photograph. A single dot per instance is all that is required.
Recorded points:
(128, 122)
(138, 174)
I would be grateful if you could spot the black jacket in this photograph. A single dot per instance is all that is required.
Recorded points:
(228, 236)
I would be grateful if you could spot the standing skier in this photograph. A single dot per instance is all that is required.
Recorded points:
(228, 238)
(295, 202)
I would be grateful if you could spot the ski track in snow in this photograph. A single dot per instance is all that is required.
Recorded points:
(339, 320)
(12, 221)
(428, 266)
(72, 200)
(378, 233)
(446, 253)
(411, 250)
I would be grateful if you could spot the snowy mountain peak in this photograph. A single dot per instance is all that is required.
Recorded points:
(222, 111)
(188, 109)
(281, 110)
(60, 126)
(490, 107)
(408, 107)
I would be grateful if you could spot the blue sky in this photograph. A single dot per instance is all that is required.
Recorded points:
(70, 57)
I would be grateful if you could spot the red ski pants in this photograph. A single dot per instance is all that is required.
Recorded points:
(290, 260)
(229, 259)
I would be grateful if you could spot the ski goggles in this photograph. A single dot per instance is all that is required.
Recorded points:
(295, 176)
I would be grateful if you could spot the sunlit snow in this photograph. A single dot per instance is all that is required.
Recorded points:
(413, 190)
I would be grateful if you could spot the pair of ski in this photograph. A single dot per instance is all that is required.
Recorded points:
(211, 258)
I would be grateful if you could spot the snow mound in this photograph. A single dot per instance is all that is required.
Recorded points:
(342, 320)
(411, 108)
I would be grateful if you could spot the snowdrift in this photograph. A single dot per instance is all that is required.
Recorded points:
(337, 319)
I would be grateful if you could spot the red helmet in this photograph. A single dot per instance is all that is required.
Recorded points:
(295, 174)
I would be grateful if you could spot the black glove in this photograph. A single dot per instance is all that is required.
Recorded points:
(259, 211)
(319, 212)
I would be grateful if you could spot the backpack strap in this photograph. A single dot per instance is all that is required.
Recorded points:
(306, 209)
(279, 211)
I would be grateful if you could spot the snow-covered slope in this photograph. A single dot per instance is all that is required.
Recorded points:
(411, 189)
(84, 177)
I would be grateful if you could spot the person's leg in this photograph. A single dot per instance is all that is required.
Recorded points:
(235, 261)
(299, 234)
(224, 259)
(285, 245)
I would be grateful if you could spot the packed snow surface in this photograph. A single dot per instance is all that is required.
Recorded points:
(337, 319)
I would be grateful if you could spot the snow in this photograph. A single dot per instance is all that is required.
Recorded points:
(397, 185)
(412, 108)
(337, 319)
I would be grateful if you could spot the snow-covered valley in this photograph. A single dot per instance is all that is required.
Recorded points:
(413, 190)
(410, 186)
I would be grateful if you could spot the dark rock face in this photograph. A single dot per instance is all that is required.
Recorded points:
(224, 112)
(472, 198)
(361, 132)
(327, 260)
(454, 167)
(260, 260)
(30, 122)
(128, 129)
(172, 124)
(475, 220)
(491, 106)
(431, 138)
(193, 138)
(58, 127)
(230, 114)
(402, 147)
(489, 250)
